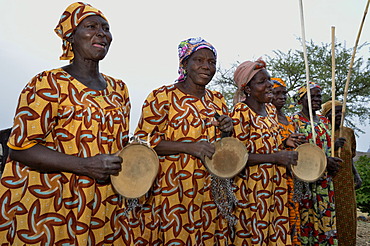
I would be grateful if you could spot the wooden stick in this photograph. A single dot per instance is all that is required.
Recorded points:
(350, 70)
(332, 90)
(349, 75)
(307, 72)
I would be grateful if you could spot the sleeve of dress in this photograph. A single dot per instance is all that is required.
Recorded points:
(126, 108)
(36, 113)
(154, 118)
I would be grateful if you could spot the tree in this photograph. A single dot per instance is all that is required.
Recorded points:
(290, 67)
(363, 194)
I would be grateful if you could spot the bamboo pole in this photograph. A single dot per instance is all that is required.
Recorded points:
(350, 69)
(307, 72)
(349, 74)
(332, 90)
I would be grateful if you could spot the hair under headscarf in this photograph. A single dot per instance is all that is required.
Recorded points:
(187, 48)
(277, 82)
(303, 90)
(71, 17)
(244, 74)
(326, 107)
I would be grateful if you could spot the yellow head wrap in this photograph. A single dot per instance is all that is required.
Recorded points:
(277, 82)
(72, 16)
(326, 107)
(303, 90)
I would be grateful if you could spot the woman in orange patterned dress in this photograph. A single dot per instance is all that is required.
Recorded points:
(262, 190)
(69, 123)
(179, 120)
(287, 127)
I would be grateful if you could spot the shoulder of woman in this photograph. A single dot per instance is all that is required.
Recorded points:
(47, 78)
(323, 119)
(240, 106)
(115, 82)
(215, 93)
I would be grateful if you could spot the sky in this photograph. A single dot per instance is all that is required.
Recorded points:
(146, 35)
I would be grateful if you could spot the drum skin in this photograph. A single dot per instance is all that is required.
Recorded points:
(311, 163)
(139, 169)
(229, 159)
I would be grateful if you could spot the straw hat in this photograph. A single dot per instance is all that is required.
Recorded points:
(311, 163)
(139, 169)
(229, 159)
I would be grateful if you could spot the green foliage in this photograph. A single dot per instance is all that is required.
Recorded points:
(290, 67)
(363, 194)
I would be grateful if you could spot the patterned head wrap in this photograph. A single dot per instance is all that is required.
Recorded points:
(303, 90)
(326, 107)
(187, 48)
(72, 16)
(277, 82)
(243, 74)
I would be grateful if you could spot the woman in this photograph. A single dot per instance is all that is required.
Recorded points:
(347, 178)
(69, 123)
(318, 223)
(287, 127)
(262, 190)
(180, 122)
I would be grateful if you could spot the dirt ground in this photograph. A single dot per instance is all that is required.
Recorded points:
(363, 230)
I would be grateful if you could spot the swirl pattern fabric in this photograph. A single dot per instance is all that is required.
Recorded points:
(180, 210)
(261, 189)
(59, 208)
(294, 215)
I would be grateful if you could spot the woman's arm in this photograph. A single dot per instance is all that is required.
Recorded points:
(43, 159)
(198, 149)
(284, 158)
(356, 176)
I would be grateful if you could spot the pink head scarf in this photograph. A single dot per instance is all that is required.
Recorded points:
(244, 73)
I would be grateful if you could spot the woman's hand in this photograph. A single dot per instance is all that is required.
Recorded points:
(333, 165)
(100, 167)
(339, 143)
(286, 158)
(295, 139)
(201, 150)
(358, 181)
(224, 123)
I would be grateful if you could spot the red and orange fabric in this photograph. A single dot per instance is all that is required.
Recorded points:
(294, 215)
(317, 209)
(59, 112)
(261, 190)
(180, 209)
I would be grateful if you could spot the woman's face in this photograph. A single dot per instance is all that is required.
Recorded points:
(201, 66)
(338, 115)
(92, 38)
(280, 96)
(315, 100)
(260, 87)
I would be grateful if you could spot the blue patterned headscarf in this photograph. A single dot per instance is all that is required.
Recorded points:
(187, 48)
